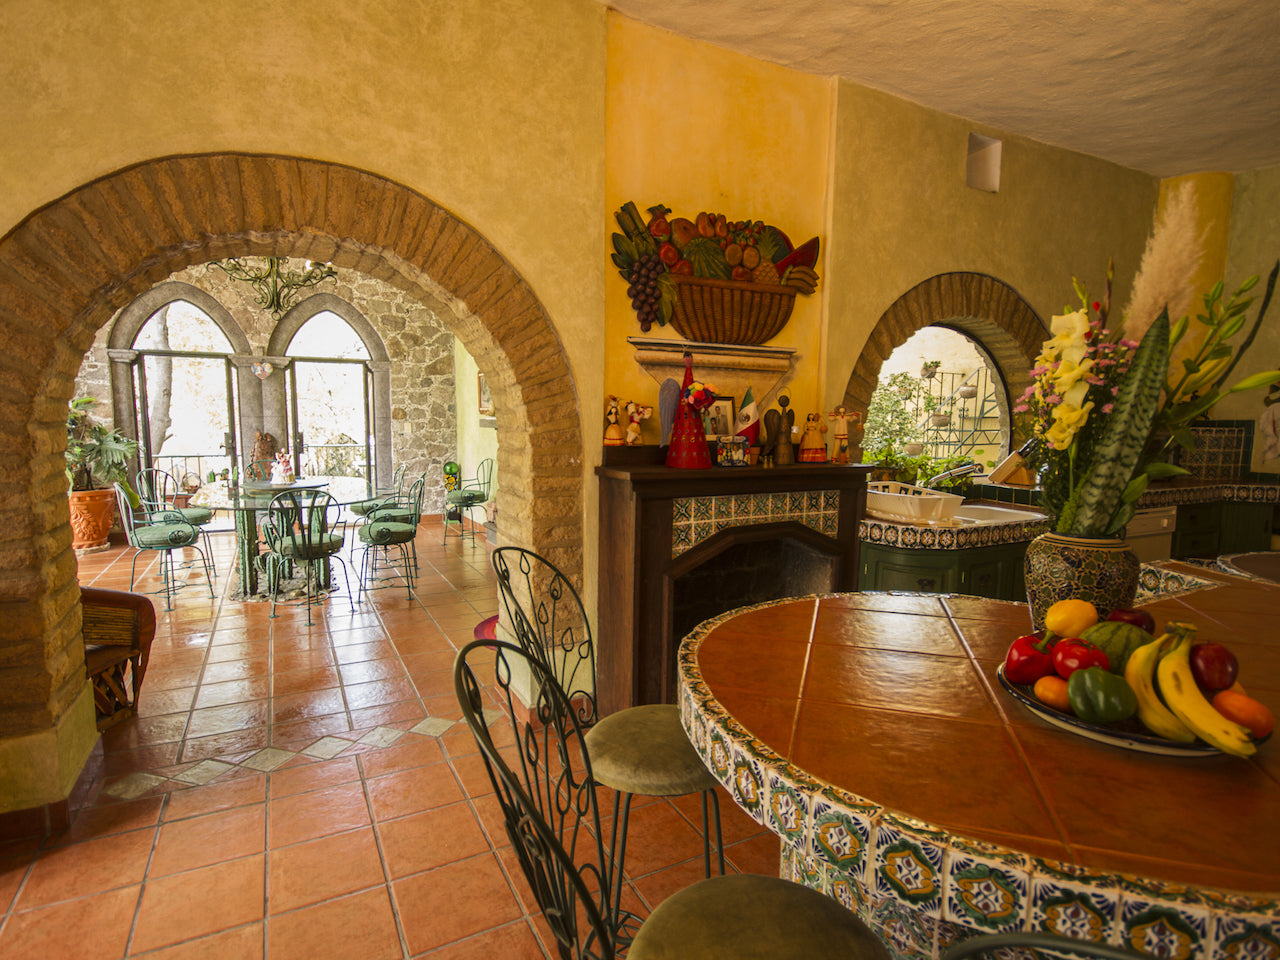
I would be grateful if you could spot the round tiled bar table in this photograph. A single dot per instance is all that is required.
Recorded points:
(869, 731)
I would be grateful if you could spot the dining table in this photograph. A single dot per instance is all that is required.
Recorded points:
(872, 733)
(246, 500)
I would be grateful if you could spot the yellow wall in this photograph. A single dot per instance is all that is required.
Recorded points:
(699, 128)
(901, 213)
(1254, 249)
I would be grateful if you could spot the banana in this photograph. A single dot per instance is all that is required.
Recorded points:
(1140, 672)
(1188, 704)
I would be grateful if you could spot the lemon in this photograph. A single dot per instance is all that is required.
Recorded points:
(1070, 618)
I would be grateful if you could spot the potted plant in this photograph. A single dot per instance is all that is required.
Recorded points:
(930, 368)
(97, 458)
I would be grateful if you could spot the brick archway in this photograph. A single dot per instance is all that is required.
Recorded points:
(69, 266)
(983, 308)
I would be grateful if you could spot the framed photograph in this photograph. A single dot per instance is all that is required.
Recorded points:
(482, 391)
(719, 418)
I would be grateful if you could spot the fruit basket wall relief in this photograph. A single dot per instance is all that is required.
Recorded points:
(714, 279)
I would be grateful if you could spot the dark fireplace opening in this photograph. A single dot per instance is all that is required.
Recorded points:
(747, 572)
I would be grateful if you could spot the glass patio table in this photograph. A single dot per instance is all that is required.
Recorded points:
(245, 501)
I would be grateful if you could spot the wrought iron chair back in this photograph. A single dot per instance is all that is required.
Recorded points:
(550, 623)
(158, 491)
(392, 525)
(259, 470)
(304, 527)
(545, 788)
(165, 533)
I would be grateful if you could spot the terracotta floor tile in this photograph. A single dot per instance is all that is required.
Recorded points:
(412, 791)
(307, 705)
(210, 838)
(200, 902)
(232, 691)
(317, 870)
(60, 930)
(155, 703)
(235, 670)
(515, 941)
(292, 660)
(225, 744)
(367, 671)
(359, 927)
(760, 854)
(658, 835)
(305, 680)
(242, 943)
(313, 776)
(379, 693)
(227, 719)
(302, 733)
(195, 801)
(433, 838)
(317, 813)
(403, 714)
(453, 902)
(361, 648)
(81, 869)
(101, 821)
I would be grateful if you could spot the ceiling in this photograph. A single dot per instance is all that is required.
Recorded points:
(1163, 86)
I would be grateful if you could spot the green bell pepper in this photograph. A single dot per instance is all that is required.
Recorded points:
(1099, 696)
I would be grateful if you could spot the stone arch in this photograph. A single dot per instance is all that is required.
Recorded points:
(68, 267)
(379, 362)
(985, 309)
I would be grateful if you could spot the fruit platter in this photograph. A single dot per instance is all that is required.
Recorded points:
(714, 279)
(1121, 682)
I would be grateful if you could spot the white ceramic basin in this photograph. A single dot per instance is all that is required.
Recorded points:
(977, 513)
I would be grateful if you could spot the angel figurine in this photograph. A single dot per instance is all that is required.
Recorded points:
(813, 448)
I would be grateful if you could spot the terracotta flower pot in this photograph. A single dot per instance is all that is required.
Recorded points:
(92, 513)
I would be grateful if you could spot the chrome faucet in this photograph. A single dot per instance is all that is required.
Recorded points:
(961, 471)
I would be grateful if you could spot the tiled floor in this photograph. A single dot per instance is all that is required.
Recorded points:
(300, 792)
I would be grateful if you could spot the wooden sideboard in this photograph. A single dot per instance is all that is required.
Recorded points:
(659, 524)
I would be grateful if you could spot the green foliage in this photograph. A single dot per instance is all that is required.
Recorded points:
(895, 412)
(96, 456)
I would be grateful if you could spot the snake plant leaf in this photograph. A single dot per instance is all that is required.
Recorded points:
(1124, 435)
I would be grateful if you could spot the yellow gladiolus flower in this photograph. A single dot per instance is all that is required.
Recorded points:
(1067, 421)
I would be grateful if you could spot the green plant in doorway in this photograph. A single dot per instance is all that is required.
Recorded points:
(97, 455)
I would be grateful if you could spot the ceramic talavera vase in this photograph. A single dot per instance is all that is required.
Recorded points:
(1102, 570)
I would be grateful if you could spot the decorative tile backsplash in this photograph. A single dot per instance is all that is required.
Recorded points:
(695, 519)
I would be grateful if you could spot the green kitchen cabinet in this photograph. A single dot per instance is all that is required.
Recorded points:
(994, 572)
(1212, 529)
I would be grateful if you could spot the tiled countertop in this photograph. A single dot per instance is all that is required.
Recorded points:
(870, 732)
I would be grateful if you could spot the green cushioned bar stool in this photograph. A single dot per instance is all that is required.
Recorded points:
(545, 781)
(160, 494)
(640, 751)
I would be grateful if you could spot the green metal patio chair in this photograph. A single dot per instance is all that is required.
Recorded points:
(159, 490)
(364, 507)
(303, 528)
(469, 494)
(164, 533)
(393, 524)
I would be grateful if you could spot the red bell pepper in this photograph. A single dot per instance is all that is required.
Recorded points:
(1029, 658)
(1071, 654)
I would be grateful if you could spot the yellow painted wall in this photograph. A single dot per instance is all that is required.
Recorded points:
(902, 213)
(697, 128)
(1254, 249)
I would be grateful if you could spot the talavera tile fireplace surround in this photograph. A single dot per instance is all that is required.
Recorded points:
(676, 544)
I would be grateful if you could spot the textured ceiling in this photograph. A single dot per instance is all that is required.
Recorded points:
(1164, 86)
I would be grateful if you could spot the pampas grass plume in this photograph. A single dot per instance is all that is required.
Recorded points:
(1168, 265)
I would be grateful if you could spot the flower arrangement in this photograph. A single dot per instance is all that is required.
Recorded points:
(699, 395)
(1106, 409)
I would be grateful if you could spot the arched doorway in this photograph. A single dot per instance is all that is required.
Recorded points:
(68, 267)
(987, 310)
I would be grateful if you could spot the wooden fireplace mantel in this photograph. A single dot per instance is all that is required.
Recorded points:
(644, 508)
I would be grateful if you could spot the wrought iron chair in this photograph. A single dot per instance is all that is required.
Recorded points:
(1039, 945)
(394, 524)
(118, 629)
(159, 490)
(640, 750)
(164, 533)
(259, 470)
(469, 494)
(546, 786)
(303, 527)
(363, 507)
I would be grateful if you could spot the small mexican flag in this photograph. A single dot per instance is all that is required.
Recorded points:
(748, 424)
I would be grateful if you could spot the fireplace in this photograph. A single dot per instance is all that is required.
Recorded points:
(678, 546)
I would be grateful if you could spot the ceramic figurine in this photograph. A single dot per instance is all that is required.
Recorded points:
(780, 426)
(635, 413)
(282, 469)
(688, 449)
(668, 400)
(264, 447)
(841, 417)
(813, 448)
(613, 435)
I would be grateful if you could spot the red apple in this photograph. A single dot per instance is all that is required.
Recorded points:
(1214, 666)
(1139, 618)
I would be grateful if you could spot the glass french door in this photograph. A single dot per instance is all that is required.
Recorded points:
(331, 423)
